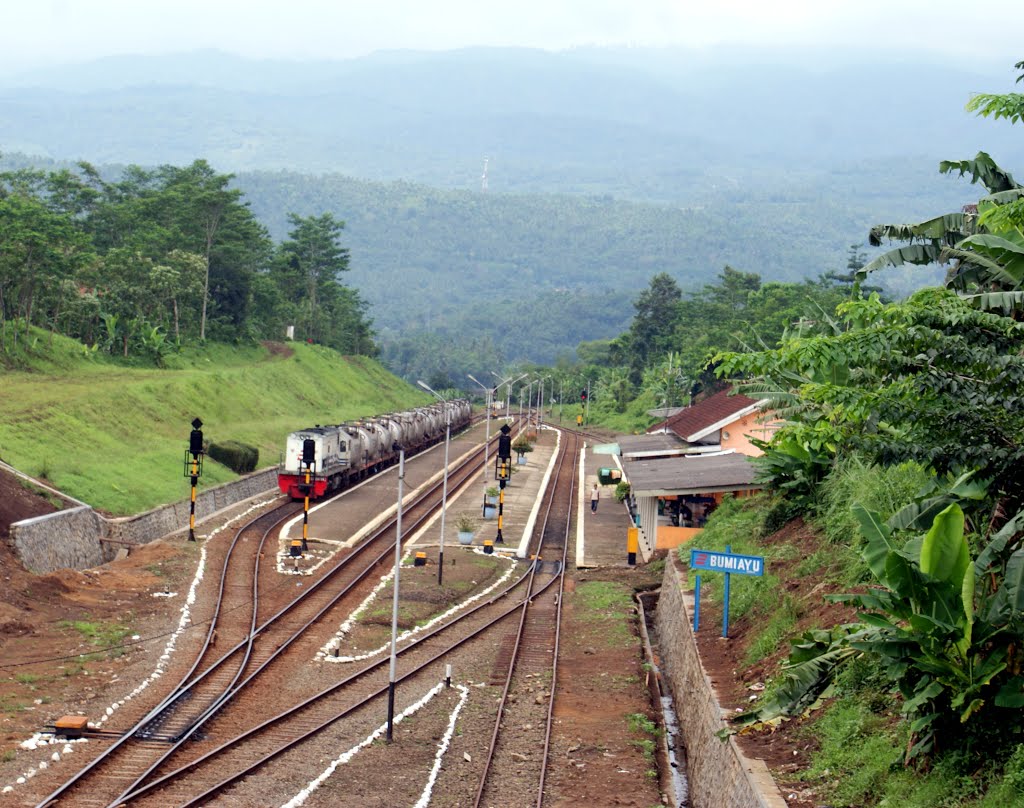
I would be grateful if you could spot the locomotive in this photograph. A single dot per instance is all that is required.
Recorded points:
(348, 452)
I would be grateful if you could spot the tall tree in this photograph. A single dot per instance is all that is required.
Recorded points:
(314, 258)
(200, 201)
(652, 324)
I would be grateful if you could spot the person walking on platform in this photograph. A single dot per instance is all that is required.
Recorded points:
(595, 495)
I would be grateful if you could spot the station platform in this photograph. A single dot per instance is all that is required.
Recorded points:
(521, 504)
(600, 536)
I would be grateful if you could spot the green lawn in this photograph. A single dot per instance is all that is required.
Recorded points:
(115, 436)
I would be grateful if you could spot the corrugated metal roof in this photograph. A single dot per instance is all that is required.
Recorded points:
(662, 443)
(690, 475)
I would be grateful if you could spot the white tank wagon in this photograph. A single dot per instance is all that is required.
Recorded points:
(348, 452)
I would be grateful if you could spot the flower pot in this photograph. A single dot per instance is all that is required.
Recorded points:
(490, 511)
(521, 460)
(491, 500)
(465, 537)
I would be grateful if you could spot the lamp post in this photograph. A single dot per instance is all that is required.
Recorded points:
(487, 440)
(444, 485)
(508, 389)
(394, 600)
(540, 403)
(529, 403)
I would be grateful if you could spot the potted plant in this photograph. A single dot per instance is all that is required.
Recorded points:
(466, 526)
(491, 495)
(521, 447)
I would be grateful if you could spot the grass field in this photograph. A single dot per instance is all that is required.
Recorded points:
(115, 436)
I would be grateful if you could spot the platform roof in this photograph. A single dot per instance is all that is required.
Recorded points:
(690, 475)
(659, 445)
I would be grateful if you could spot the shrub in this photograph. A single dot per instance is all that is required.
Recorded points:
(239, 457)
(881, 489)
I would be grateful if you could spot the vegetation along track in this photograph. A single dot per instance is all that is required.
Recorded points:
(143, 751)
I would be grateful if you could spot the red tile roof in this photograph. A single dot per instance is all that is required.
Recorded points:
(700, 416)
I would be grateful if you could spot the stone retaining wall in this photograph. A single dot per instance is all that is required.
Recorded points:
(68, 538)
(75, 537)
(720, 776)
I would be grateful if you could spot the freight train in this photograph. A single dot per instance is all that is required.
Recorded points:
(348, 452)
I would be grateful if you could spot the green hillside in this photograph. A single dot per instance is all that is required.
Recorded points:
(115, 436)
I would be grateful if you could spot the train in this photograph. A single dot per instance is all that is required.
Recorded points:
(345, 453)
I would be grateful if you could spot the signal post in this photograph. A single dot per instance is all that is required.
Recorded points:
(194, 470)
(502, 473)
(309, 462)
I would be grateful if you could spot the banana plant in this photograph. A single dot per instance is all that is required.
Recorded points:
(944, 627)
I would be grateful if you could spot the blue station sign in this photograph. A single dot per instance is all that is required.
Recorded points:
(726, 562)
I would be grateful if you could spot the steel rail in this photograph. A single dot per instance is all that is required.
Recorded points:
(492, 747)
(558, 636)
(423, 501)
(331, 691)
(184, 685)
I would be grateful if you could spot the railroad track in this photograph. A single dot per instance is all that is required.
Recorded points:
(530, 656)
(246, 754)
(142, 752)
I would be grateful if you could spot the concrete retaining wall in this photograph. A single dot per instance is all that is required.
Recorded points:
(720, 776)
(74, 537)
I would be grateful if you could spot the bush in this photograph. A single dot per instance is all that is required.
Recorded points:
(522, 445)
(854, 481)
(239, 457)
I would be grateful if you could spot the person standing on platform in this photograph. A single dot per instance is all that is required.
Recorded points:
(595, 495)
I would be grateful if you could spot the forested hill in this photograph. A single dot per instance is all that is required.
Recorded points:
(605, 168)
(530, 276)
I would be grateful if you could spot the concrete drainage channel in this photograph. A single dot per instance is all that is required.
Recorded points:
(672, 752)
(706, 772)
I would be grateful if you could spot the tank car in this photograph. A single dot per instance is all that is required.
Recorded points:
(350, 451)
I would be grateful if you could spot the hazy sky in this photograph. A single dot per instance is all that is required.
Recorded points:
(35, 33)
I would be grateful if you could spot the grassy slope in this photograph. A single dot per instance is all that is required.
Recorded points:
(115, 436)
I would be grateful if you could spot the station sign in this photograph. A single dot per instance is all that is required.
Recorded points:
(729, 563)
(726, 562)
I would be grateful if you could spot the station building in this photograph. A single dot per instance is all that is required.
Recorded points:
(680, 470)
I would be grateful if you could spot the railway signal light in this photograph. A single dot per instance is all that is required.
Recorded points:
(309, 461)
(505, 443)
(195, 439)
(583, 396)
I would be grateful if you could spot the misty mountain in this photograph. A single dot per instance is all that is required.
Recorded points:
(668, 126)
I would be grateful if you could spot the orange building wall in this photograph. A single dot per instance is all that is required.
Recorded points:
(742, 430)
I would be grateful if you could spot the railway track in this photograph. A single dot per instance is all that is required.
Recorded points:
(536, 593)
(142, 752)
(530, 656)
